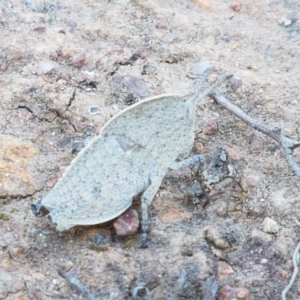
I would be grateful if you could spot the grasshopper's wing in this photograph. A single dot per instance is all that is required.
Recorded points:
(164, 125)
(100, 182)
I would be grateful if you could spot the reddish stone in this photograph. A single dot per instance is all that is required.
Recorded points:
(39, 29)
(236, 6)
(143, 52)
(235, 83)
(2, 68)
(137, 14)
(161, 24)
(64, 53)
(79, 60)
(224, 269)
(229, 293)
(18, 54)
(113, 50)
(99, 64)
(215, 32)
(211, 127)
(65, 75)
(127, 223)
(251, 182)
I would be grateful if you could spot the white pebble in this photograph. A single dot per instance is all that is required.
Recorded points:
(270, 226)
(46, 66)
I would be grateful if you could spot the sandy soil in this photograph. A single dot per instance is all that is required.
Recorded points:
(59, 58)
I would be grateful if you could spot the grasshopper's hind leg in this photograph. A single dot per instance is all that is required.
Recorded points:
(151, 191)
(146, 199)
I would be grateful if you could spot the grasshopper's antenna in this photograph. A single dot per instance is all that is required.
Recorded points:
(197, 87)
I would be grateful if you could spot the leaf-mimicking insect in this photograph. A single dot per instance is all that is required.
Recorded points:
(130, 156)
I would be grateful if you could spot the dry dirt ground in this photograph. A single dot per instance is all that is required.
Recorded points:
(59, 58)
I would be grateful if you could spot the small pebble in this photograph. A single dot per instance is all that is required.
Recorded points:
(205, 4)
(235, 83)
(127, 223)
(65, 75)
(94, 110)
(2, 67)
(64, 53)
(224, 270)
(172, 59)
(6, 263)
(211, 127)
(201, 67)
(100, 241)
(214, 237)
(137, 14)
(148, 70)
(99, 64)
(80, 60)
(46, 66)
(238, 293)
(18, 54)
(251, 181)
(101, 238)
(226, 37)
(39, 29)
(136, 86)
(236, 6)
(284, 22)
(174, 214)
(264, 261)
(143, 52)
(63, 142)
(71, 24)
(270, 226)
(161, 24)
(215, 32)
(198, 147)
(253, 68)
(77, 146)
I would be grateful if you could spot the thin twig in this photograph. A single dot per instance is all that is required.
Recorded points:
(286, 143)
(75, 283)
(295, 273)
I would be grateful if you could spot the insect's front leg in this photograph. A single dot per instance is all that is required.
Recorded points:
(193, 160)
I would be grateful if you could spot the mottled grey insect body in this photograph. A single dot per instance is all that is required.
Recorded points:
(130, 155)
(99, 184)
